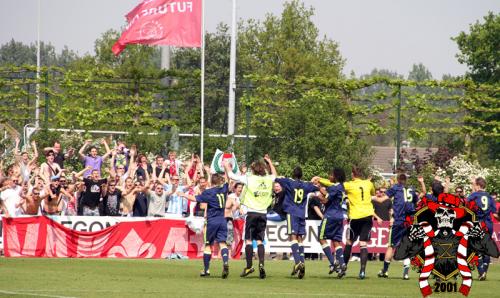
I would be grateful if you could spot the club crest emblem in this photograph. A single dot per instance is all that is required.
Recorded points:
(444, 241)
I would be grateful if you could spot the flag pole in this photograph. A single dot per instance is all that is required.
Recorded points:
(202, 77)
(37, 103)
(232, 78)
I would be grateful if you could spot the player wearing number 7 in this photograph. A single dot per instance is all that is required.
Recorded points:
(485, 207)
(403, 203)
(216, 226)
(295, 205)
(359, 194)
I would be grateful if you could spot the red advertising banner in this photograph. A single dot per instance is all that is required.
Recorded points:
(162, 22)
(40, 236)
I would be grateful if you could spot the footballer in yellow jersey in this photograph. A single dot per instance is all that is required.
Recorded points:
(359, 193)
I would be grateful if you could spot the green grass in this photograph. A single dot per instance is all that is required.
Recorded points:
(163, 278)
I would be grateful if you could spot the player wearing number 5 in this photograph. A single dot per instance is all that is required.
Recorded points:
(216, 226)
(403, 203)
(360, 212)
(485, 207)
(295, 206)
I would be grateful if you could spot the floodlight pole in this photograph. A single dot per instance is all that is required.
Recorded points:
(232, 78)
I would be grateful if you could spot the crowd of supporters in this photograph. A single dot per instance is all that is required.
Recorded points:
(120, 181)
(123, 182)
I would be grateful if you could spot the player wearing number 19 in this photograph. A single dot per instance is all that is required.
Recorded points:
(359, 194)
(295, 205)
(216, 226)
(403, 204)
(485, 207)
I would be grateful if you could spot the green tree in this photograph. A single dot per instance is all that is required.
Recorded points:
(288, 45)
(17, 53)
(480, 49)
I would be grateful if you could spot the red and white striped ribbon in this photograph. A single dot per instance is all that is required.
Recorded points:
(429, 260)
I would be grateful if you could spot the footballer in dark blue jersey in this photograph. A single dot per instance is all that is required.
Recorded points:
(332, 225)
(216, 224)
(295, 205)
(404, 200)
(486, 206)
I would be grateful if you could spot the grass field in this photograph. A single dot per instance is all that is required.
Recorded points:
(164, 278)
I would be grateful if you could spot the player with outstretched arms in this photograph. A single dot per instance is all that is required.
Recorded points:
(256, 197)
(295, 206)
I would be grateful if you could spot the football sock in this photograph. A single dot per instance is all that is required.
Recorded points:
(406, 266)
(486, 263)
(364, 257)
(206, 260)
(339, 255)
(386, 266)
(295, 252)
(301, 251)
(260, 252)
(480, 267)
(225, 255)
(249, 255)
(328, 253)
(347, 253)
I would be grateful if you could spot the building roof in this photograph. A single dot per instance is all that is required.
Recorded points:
(384, 158)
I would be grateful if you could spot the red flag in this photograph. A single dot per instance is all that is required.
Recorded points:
(163, 22)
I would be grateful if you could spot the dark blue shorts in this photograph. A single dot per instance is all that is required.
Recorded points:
(295, 225)
(216, 231)
(331, 229)
(397, 232)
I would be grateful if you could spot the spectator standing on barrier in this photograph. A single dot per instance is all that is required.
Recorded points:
(93, 160)
(111, 199)
(257, 199)
(92, 195)
(60, 157)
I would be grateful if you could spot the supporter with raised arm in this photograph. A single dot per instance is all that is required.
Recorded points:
(157, 199)
(111, 200)
(49, 168)
(60, 157)
(92, 195)
(93, 160)
(23, 161)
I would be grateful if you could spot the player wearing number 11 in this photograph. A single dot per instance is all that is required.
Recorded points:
(216, 226)
(485, 207)
(295, 205)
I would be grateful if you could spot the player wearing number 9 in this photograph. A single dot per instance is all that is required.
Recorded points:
(359, 193)
(485, 208)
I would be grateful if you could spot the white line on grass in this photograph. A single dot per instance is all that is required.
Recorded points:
(31, 294)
